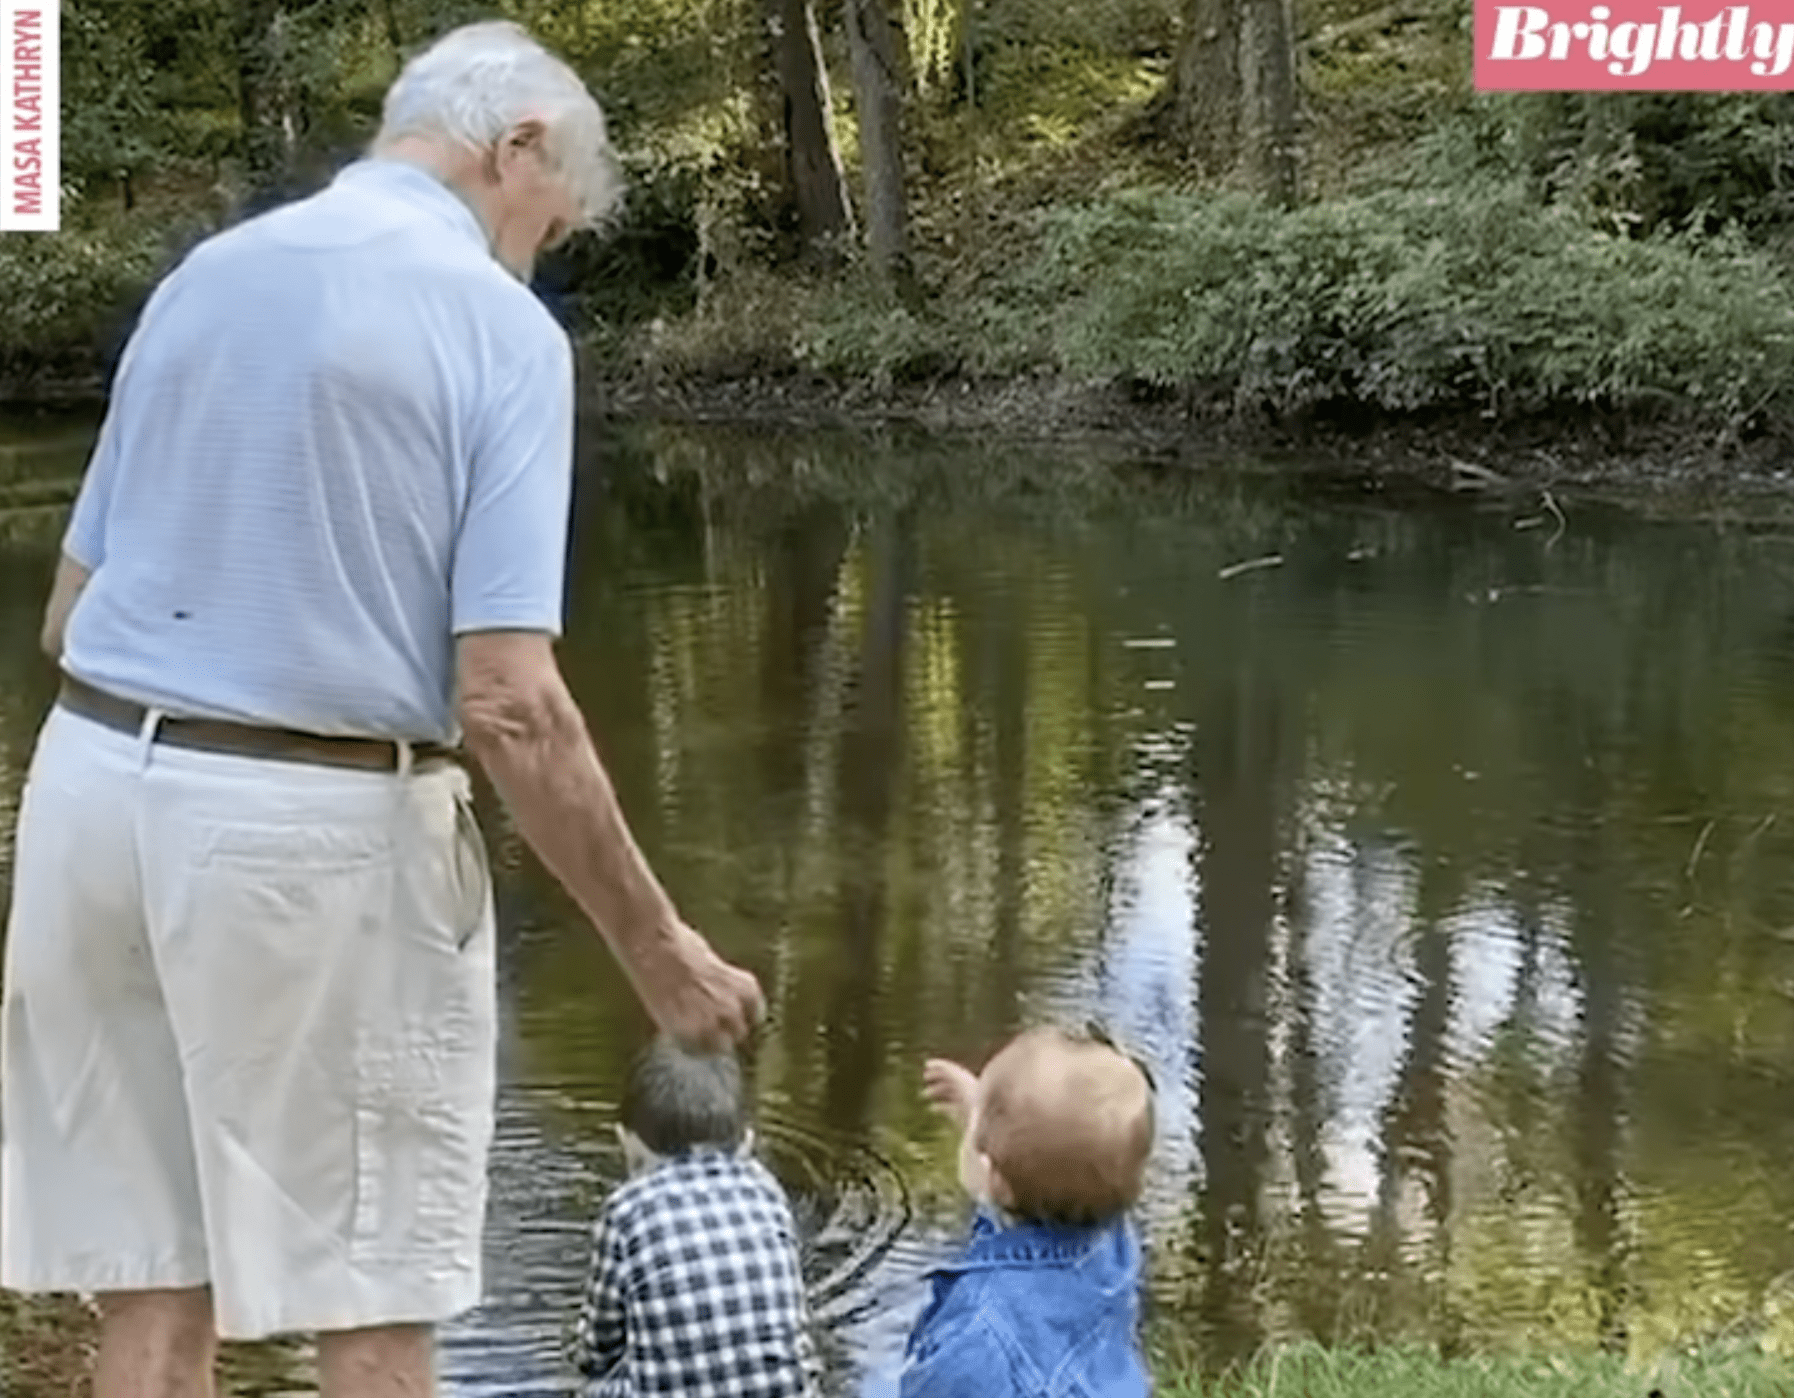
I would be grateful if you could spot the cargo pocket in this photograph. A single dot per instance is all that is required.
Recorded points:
(425, 1055)
(423, 1126)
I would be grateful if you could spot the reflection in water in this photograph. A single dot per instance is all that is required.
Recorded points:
(870, 751)
(1442, 877)
(1238, 742)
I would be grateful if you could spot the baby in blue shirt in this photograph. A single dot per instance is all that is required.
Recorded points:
(1045, 1299)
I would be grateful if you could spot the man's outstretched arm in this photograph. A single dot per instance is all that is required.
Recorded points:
(523, 726)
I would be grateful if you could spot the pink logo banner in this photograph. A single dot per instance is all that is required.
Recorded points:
(30, 116)
(1625, 45)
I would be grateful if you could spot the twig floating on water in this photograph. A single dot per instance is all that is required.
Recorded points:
(1699, 845)
(1149, 642)
(1482, 475)
(1750, 840)
(1562, 524)
(1233, 570)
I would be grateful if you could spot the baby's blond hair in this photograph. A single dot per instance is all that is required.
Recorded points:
(1067, 1123)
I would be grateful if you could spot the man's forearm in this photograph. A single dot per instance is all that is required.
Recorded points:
(529, 735)
(65, 590)
(565, 806)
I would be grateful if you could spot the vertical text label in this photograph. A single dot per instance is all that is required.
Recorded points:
(30, 116)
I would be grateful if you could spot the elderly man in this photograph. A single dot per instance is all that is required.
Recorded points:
(249, 1005)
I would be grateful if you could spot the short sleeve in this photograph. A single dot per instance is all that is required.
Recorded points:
(85, 540)
(510, 559)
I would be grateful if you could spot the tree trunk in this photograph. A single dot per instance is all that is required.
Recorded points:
(874, 42)
(812, 164)
(1233, 102)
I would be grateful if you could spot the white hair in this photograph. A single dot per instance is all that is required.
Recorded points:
(479, 81)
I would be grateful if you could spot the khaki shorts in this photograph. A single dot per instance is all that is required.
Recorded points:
(247, 1037)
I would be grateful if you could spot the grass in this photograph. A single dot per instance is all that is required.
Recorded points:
(46, 1348)
(46, 1345)
(1313, 1371)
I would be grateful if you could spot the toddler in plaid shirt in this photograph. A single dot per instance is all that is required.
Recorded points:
(695, 1287)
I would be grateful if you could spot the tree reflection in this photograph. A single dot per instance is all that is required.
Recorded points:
(1238, 751)
(871, 751)
(803, 558)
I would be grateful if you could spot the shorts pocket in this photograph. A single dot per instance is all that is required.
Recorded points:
(423, 1127)
(448, 877)
(300, 849)
(471, 868)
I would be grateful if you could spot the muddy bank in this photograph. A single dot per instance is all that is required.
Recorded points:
(1664, 459)
(1660, 457)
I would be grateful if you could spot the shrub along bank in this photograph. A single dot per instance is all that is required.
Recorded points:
(1397, 302)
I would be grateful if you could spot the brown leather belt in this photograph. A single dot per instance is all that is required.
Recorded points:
(245, 739)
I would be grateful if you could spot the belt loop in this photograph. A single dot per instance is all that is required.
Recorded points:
(146, 735)
(403, 749)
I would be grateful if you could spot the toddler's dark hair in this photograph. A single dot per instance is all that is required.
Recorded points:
(676, 1101)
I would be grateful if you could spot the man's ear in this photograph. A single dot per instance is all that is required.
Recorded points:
(527, 136)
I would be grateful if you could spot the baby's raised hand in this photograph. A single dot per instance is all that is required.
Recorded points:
(950, 1088)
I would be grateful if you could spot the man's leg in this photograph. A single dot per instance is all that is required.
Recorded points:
(387, 1361)
(155, 1344)
(98, 1186)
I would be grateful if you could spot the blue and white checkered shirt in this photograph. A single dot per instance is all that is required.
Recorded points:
(695, 1288)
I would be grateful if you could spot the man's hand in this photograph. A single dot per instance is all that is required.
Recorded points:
(951, 1089)
(696, 998)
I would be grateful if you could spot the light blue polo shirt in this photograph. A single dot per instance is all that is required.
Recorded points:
(341, 436)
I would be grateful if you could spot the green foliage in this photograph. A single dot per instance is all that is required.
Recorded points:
(144, 85)
(109, 127)
(656, 65)
(1634, 162)
(1409, 299)
(1312, 1371)
(62, 293)
(850, 329)
(645, 263)
(1406, 300)
(747, 331)
(1588, 261)
(860, 331)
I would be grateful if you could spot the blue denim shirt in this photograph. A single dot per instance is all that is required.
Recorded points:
(1032, 1310)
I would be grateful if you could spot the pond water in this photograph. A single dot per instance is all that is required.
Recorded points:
(1441, 864)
